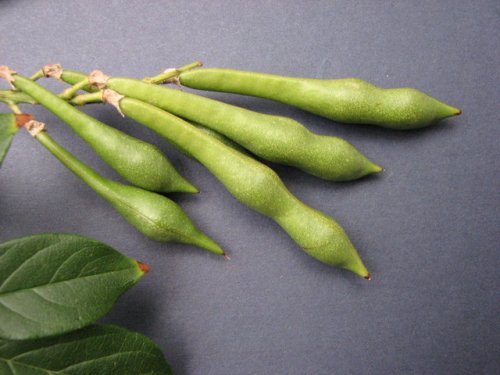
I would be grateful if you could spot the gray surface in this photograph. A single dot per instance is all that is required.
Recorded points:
(427, 228)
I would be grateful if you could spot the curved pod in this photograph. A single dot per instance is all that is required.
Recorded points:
(348, 100)
(140, 163)
(274, 138)
(154, 215)
(255, 185)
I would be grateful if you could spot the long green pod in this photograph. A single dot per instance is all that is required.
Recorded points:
(253, 184)
(73, 77)
(348, 100)
(220, 137)
(154, 215)
(140, 163)
(274, 138)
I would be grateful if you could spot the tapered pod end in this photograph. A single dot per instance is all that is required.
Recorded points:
(367, 168)
(207, 243)
(186, 187)
(374, 168)
(176, 183)
(355, 264)
(449, 111)
(443, 110)
(361, 271)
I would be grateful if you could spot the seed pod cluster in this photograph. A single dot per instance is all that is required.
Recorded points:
(218, 140)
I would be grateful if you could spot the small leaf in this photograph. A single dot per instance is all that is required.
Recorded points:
(91, 351)
(8, 129)
(55, 283)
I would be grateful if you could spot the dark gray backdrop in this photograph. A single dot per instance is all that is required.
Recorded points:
(427, 227)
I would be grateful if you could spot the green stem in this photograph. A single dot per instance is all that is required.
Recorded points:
(172, 73)
(71, 91)
(95, 97)
(94, 180)
(14, 108)
(16, 97)
(39, 74)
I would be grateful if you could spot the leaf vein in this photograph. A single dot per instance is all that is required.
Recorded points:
(106, 357)
(66, 260)
(26, 261)
(17, 312)
(63, 282)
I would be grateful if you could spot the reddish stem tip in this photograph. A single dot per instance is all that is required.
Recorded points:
(143, 266)
(22, 119)
(368, 277)
(226, 257)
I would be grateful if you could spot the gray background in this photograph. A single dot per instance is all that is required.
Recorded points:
(427, 227)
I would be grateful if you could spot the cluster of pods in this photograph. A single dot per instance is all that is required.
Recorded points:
(222, 137)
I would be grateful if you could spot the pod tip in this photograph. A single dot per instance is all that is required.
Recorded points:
(189, 188)
(143, 267)
(368, 277)
(451, 111)
(377, 168)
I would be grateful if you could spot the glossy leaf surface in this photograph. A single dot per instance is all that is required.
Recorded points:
(56, 283)
(91, 351)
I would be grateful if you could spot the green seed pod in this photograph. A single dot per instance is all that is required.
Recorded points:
(349, 100)
(219, 137)
(154, 215)
(140, 163)
(73, 77)
(252, 183)
(274, 138)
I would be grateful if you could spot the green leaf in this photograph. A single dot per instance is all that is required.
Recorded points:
(55, 283)
(94, 350)
(8, 129)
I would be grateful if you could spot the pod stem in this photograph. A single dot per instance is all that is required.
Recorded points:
(98, 79)
(39, 74)
(95, 97)
(70, 92)
(170, 75)
(16, 97)
(14, 108)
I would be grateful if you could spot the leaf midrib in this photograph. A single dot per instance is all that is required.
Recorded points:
(49, 247)
(64, 281)
(12, 361)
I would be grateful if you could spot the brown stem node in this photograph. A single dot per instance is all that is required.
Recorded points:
(34, 127)
(113, 98)
(6, 73)
(52, 71)
(22, 119)
(98, 78)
